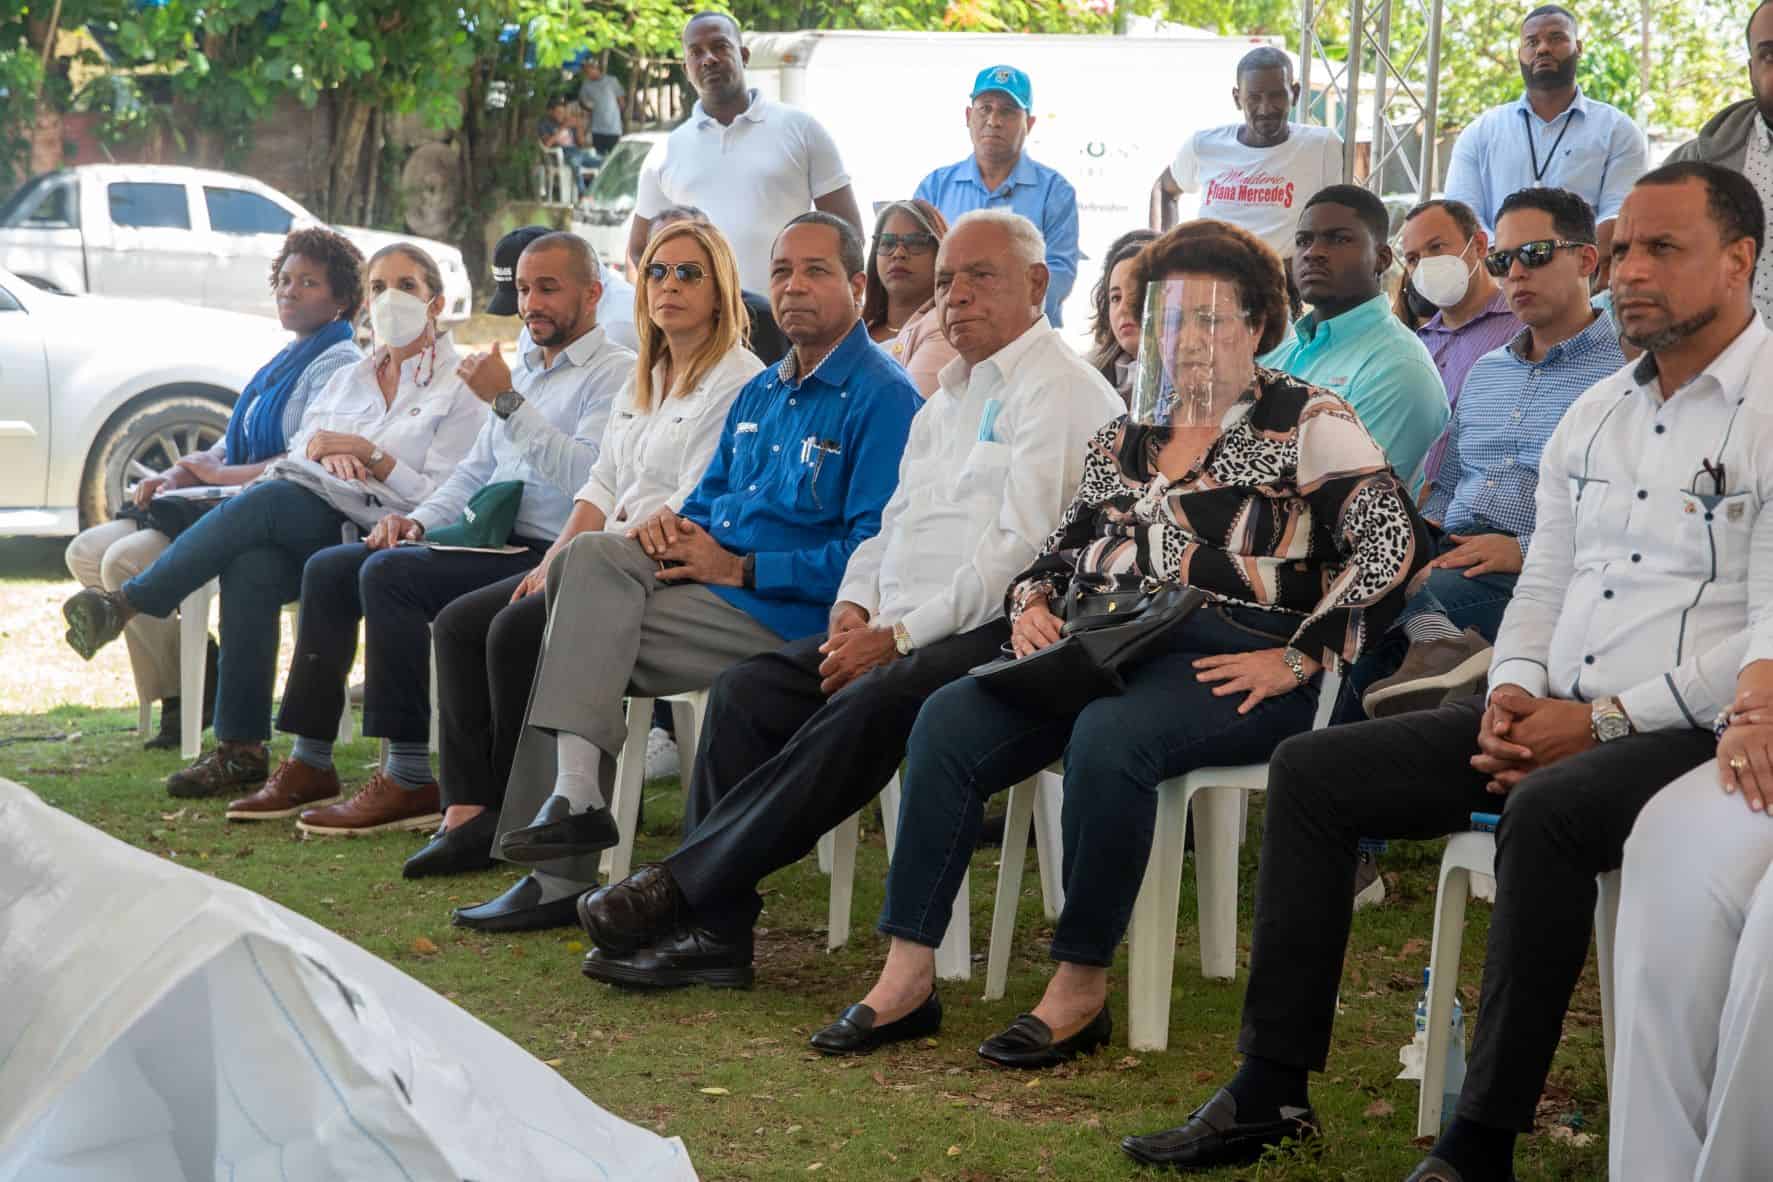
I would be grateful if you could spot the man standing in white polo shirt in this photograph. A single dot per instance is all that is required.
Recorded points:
(751, 163)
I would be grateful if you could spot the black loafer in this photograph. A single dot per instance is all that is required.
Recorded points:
(519, 909)
(1213, 1137)
(465, 848)
(563, 834)
(1435, 1169)
(687, 956)
(854, 1032)
(629, 915)
(1028, 1042)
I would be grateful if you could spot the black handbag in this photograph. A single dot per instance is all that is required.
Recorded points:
(1105, 632)
(172, 516)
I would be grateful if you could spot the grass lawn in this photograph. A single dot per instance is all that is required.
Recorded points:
(923, 1111)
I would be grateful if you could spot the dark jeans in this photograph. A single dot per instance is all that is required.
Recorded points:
(1409, 777)
(604, 142)
(487, 652)
(968, 745)
(395, 594)
(255, 543)
(779, 763)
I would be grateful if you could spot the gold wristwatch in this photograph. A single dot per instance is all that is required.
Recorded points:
(902, 639)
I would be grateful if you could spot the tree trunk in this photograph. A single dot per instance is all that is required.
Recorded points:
(55, 20)
(350, 127)
(378, 126)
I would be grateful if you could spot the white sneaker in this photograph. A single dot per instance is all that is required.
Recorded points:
(661, 755)
(1369, 884)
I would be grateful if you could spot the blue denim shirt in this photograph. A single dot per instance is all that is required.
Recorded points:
(1033, 190)
(804, 467)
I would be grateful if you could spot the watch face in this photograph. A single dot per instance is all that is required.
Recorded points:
(1611, 726)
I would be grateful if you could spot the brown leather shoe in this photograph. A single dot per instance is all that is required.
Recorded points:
(379, 805)
(219, 772)
(294, 786)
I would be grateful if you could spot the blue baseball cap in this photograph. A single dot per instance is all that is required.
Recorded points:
(1008, 79)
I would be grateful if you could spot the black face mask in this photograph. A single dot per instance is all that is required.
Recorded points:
(1421, 307)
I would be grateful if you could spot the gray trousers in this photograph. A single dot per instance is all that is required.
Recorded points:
(614, 630)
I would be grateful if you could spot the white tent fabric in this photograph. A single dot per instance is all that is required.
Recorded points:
(157, 1025)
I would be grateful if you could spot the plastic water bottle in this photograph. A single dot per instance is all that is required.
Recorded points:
(1454, 1080)
(1422, 1008)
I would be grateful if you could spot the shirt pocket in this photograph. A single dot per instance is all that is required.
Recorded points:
(682, 421)
(1715, 533)
(1588, 509)
(818, 479)
(980, 485)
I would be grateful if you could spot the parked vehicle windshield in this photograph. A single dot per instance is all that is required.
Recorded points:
(618, 181)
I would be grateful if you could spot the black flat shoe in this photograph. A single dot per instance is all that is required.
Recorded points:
(1028, 1042)
(171, 723)
(1435, 1169)
(517, 910)
(563, 835)
(854, 1032)
(687, 956)
(628, 915)
(465, 848)
(1212, 1136)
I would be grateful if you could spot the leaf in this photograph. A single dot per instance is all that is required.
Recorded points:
(552, 1062)
(714, 1091)
(954, 1151)
(425, 946)
(1378, 1108)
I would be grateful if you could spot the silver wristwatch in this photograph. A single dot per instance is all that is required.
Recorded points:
(902, 639)
(376, 456)
(1296, 662)
(1608, 721)
(506, 404)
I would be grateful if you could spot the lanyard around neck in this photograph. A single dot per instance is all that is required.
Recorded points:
(1527, 123)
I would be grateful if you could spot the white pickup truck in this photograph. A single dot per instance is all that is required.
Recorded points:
(151, 231)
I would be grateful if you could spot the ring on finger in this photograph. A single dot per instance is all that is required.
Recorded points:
(1738, 763)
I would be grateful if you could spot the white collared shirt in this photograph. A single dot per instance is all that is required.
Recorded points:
(549, 443)
(656, 458)
(1757, 166)
(1643, 569)
(994, 457)
(751, 176)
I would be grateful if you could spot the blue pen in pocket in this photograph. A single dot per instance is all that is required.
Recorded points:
(988, 420)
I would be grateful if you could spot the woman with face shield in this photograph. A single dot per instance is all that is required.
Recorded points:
(1266, 495)
(378, 439)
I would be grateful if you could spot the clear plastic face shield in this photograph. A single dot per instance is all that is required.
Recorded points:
(1197, 353)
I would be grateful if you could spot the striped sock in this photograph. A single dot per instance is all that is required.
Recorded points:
(409, 764)
(1428, 626)
(316, 753)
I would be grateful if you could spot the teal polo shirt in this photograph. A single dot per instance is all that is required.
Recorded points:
(1377, 366)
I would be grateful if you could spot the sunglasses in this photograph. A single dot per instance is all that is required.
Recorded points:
(690, 273)
(1532, 255)
(913, 243)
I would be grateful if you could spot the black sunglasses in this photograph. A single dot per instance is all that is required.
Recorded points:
(685, 272)
(1532, 255)
(913, 243)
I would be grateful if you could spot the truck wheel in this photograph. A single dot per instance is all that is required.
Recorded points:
(144, 440)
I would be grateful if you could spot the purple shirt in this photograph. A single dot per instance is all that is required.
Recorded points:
(1456, 350)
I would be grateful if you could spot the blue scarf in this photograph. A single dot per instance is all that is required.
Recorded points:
(271, 386)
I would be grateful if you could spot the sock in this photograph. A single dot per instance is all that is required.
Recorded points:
(555, 887)
(409, 764)
(580, 776)
(1479, 1152)
(1426, 626)
(1262, 1087)
(316, 753)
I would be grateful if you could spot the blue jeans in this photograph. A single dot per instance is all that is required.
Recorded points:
(256, 544)
(968, 745)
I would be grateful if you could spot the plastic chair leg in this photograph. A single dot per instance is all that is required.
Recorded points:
(954, 958)
(1443, 977)
(1151, 948)
(630, 782)
(1009, 885)
(1049, 844)
(1217, 819)
(843, 880)
(1606, 926)
(889, 814)
(193, 641)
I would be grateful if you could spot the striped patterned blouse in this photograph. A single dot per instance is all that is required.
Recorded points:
(1292, 508)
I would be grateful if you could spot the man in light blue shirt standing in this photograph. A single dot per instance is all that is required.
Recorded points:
(1553, 135)
(1000, 175)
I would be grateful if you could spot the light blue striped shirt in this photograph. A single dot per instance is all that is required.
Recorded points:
(1590, 148)
(1033, 190)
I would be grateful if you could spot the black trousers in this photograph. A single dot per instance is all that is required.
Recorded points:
(487, 652)
(778, 763)
(396, 594)
(1409, 777)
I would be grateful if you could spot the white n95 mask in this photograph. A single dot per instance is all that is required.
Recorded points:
(1442, 279)
(398, 317)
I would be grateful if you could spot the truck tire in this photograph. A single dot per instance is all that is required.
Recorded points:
(143, 439)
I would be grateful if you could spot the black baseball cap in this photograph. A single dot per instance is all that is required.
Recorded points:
(504, 268)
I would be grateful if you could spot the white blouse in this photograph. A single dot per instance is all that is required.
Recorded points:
(656, 459)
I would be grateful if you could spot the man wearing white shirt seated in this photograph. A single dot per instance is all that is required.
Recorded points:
(1619, 648)
(798, 739)
(543, 429)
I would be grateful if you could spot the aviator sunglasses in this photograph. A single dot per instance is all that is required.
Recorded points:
(685, 272)
(1532, 255)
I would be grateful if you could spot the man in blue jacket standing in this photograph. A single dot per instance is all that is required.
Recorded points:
(806, 463)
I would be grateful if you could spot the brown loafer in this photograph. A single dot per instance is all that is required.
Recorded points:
(294, 786)
(380, 805)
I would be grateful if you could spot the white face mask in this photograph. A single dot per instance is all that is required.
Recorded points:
(1443, 279)
(398, 317)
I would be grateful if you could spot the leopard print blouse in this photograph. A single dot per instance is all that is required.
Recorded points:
(1293, 508)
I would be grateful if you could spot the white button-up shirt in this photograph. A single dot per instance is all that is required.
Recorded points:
(994, 457)
(656, 458)
(549, 443)
(1645, 563)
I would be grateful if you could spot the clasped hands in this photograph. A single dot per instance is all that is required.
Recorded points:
(1521, 733)
(694, 554)
(344, 455)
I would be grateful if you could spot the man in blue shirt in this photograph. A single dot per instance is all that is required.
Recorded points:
(807, 460)
(1000, 175)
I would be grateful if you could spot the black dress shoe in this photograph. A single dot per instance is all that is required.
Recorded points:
(687, 956)
(854, 1032)
(519, 909)
(633, 913)
(561, 834)
(1213, 1137)
(1435, 1169)
(1028, 1042)
(456, 851)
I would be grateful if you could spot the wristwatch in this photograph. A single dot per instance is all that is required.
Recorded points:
(376, 456)
(506, 404)
(1608, 721)
(1296, 662)
(902, 639)
(748, 572)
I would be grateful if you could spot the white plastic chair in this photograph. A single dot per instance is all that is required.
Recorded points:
(687, 710)
(1218, 796)
(1469, 854)
(1038, 798)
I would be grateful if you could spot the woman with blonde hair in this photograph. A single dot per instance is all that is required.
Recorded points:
(663, 429)
(898, 303)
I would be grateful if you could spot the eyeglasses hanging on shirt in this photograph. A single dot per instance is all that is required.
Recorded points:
(1539, 170)
(813, 451)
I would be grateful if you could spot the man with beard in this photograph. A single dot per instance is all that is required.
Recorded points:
(754, 164)
(1620, 647)
(542, 435)
(1552, 135)
(1738, 137)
